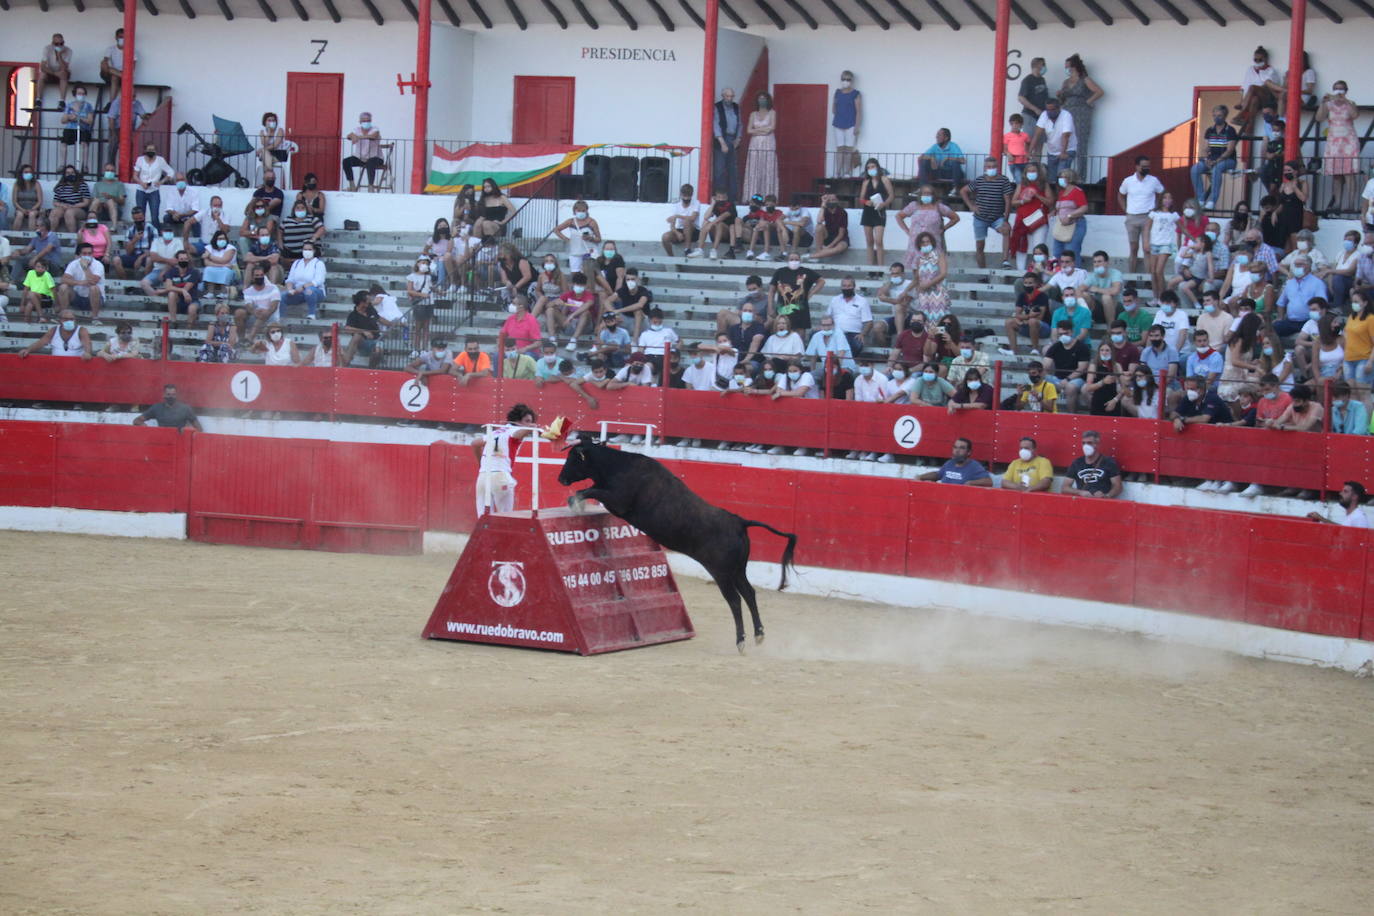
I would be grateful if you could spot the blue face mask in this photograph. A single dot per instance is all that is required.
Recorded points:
(1299, 272)
(1348, 244)
(769, 374)
(927, 376)
(69, 325)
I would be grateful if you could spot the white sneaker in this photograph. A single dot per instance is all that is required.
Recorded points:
(806, 256)
(777, 450)
(572, 345)
(1207, 485)
(696, 443)
(1225, 486)
(714, 253)
(637, 440)
(620, 439)
(852, 456)
(765, 257)
(754, 449)
(722, 446)
(1252, 491)
(870, 456)
(885, 459)
(695, 253)
(749, 256)
(801, 452)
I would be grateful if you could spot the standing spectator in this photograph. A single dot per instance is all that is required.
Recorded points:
(56, 64)
(306, 282)
(181, 207)
(298, 227)
(942, 161)
(78, 121)
(151, 172)
(367, 152)
(1032, 201)
(261, 301)
(682, 225)
(1017, 144)
(1103, 289)
(27, 197)
(1070, 215)
(584, 232)
(1030, 472)
(1348, 413)
(1287, 219)
(725, 127)
(989, 197)
(1352, 495)
(961, 468)
(1028, 315)
(170, 413)
(1093, 473)
(112, 64)
(832, 235)
(109, 196)
(71, 197)
(521, 329)
(221, 338)
(420, 293)
(1079, 94)
(1068, 358)
(1034, 92)
(363, 330)
(83, 283)
(722, 224)
(851, 314)
(876, 193)
(272, 149)
(790, 291)
(761, 164)
(1340, 155)
(1216, 157)
(1139, 195)
(931, 269)
(1056, 138)
(847, 115)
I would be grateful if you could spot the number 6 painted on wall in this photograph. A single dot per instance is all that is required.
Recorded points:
(1013, 69)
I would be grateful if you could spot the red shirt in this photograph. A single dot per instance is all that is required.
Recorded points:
(1267, 409)
(775, 216)
(912, 347)
(522, 333)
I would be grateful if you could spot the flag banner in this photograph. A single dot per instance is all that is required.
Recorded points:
(513, 165)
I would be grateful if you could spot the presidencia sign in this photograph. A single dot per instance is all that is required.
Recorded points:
(660, 55)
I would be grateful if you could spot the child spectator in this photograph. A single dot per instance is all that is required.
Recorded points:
(1161, 231)
(38, 286)
(581, 232)
(682, 225)
(722, 224)
(420, 292)
(1017, 144)
(769, 225)
(798, 229)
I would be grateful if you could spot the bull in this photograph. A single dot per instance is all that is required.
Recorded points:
(644, 493)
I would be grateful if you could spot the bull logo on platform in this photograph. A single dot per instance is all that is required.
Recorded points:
(506, 584)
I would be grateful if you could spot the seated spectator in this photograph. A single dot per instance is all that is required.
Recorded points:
(221, 262)
(66, 338)
(832, 235)
(170, 413)
(1029, 473)
(221, 338)
(682, 225)
(1216, 157)
(1339, 274)
(1142, 398)
(208, 221)
(1076, 313)
(122, 345)
(745, 381)
(632, 300)
(961, 468)
(798, 228)
(109, 196)
(516, 364)
(851, 314)
(609, 276)
(1136, 320)
(1100, 384)
(39, 286)
(1102, 292)
(1125, 355)
(112, 63)
(1173, 320)
(1038, 395)
(97, 235)
(988, 198)
(926, 388)
(363, 330)
(179, 286)
(1029, 315)
(181, 208)
(1348, 413)
(420, 293)
(749, 334)
(312, 196)
(796, 382)
(612, 342)
(1303, 414)
(433, 360)
(521, 329)
(324, 354)
(367, 152)
(871, 386)
(1069, 275)
(655, 337)
(1200, 404)
(45, 247)
(71, 198)
(1292, 305)
(828, 343)
(549, 285)
(261, 302)
(1093, 473)
(722, 224)
(896, 291)
(755, 302)
(700, 373)
(1351, 497)
(161, 257)
(913, 346)
(472, 363)
(972, 393)
(768, 226)
(1273, 402)
(1305, 247)
(56, 64)
(263, 252)
(27, 197)
(546, 367)
(1204, 361)
(1213, 320)
(306, 282)
(636, 371)
(82, 285)
(782, 344)
(277, 349)
(970, 357)
(576, 307)
(943, 161)
(514, 271)
(272, 149)
(598, 376)
(789, 293)
(1068, 359)
(258, 223)
(298, 227)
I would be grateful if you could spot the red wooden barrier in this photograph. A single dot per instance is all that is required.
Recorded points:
(28, 463)
(1264, 456)
(102, 467)
(963, 534)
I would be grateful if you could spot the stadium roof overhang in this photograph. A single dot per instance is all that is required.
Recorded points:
(763, 15)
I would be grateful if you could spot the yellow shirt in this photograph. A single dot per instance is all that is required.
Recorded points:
(1359, 337)
(1043, 397)
(1029, 473)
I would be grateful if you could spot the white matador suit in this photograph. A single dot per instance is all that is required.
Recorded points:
(495, 482)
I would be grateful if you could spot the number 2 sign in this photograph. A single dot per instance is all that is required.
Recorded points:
(907, 431)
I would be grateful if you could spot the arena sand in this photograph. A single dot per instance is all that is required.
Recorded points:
(200, 729)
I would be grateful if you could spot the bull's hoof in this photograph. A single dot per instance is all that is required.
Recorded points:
(577, 504)
(758, 637)
(739, 644)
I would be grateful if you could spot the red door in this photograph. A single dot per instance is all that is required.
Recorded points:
(803, 113)
(314, 120)
(543, 110)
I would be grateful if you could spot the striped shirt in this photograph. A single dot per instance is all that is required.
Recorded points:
(990, 197)
(295, 232)
(69, 192)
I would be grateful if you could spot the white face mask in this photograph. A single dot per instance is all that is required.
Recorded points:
(991, 173)
(550, 266)
(632, 285)
(423, 268)
(579, 289)
(275, 335)
(1025, 454)
(794, 265)
(308, 254)
(1089, 450)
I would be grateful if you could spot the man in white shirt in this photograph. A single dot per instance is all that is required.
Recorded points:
(151, 171)
(261, 300)
(56, 64)
(871, 386)
(852, 315)
(652, 338)
(1352, 495)
(700, 373)
(825, 342)
(81, 285)
(1138, 195)
(1070, 275)
(211, 220)
(112, 64)
(162, 254)
(682, 224)
(494, 450)
(637, 371)
(181, 206)
(1054, 131)
(1174, 321)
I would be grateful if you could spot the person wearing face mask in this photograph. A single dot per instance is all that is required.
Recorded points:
(435, 359)
(121, 345)
(112, 63)
(1092, 473)
(972, 393)
(55, 65)
(1206, 361)
(262, 252)
(314, 198)
(925, 388)
(420, 292)
(782, 345)
(78, 121)
(612, 342)
(170, 412)
(1304, 414)
(181, 207)
(795, 382)
(1079, 96)
(210, 221)
(38, 289)
(1016, 142)
(748, 334)
(162, 257)
(1068, 359)
(151, 172)
(82, 284)
(896, 291)
(1037, 395)
(109, 196)
(71, 197)
(1157, 355)
(683, 225)
(768, 225)
(761, 159)
(549, 286)
(298, 227)
(130, 256)
(367, 152)
(1029, 316)
(943, 160)
(1102, 386)
(1216, 157)
(638, 371)
(1055, 139)
(1340, 153)
(1349, 513)
(1292, 305)
(1034, 92)
(970, 358)
(877, 194)
(722, 224)
(790, 292)
(1304, 246)
(832, 231)
(1140, 399)
(700, 372)
(655, 337)
(1139, 194)
(272, 149)
(1032, 201)
(1359, 341)
(278, 349)
(221, 338)
(98, 237)
(1349, 416)
(846, 108)
(66, 338)
(988, 197)
(27, 198)
(521, 329)
(631, 301)
(179, 287)
(364, 330)
(516, 364)
(1070, 223)
(1259, 88)
(1030, 472)
(220, 272)
(577, 306)
(828, 344)
(798, 230)
(580, 231)
(258, 222)
(1339, 273)
(1249, 280)
(306, 281)
(852, 314)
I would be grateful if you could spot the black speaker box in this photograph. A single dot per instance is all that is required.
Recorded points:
(624, 183)
(596, 177)
(653, 180)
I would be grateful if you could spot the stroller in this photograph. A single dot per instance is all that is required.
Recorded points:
(229, 141)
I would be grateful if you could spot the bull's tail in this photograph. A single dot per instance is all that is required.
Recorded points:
(787, 552)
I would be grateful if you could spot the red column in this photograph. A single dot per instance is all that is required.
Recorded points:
(126, 96)
(1293, 113)
(419, 169)
(999, 81)
(708, 98)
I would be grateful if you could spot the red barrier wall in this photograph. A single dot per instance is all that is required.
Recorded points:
(1277, 572)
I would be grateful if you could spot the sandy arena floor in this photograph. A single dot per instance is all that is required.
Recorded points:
(198, 729)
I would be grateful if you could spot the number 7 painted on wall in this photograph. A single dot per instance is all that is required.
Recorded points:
(323, 43)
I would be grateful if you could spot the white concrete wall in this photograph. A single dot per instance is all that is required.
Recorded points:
(736, 55)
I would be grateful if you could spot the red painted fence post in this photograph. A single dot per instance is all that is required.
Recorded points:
(829, 396)
(166, 339)
(1161, 395)
(996, 389)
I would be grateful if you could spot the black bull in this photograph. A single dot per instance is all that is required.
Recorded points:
(644, 493)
